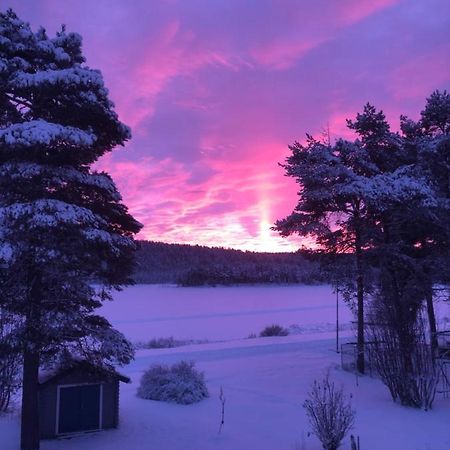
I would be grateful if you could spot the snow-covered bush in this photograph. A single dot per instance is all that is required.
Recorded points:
(274, 330)
(180, 383)
(330, 414)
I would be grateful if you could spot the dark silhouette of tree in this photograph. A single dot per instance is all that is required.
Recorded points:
(349, 195)
(62, 224)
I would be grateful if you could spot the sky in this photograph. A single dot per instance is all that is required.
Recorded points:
(215, 91)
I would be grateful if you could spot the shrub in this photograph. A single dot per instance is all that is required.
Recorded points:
(180, 383)
(274, 330)
(9, 379)
(330, 415)
(169, 342)
(405, 364)
(10, 362)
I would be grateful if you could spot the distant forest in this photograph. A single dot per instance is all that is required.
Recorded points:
(189, 265)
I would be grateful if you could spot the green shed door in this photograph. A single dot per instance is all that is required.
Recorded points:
(79, 408)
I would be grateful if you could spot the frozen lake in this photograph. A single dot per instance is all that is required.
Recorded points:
(144, 312)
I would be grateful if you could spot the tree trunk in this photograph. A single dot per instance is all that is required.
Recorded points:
(30, 411)
(31, 356)
(360, 300)
(432, 321)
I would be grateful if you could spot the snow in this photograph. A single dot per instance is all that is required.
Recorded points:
(50, 213)
(385, 189)
(144, 312)
(74, 76)
(6, 252)
(60, 175)
(61, 55)
(41, 132)
(114, 240)
(264, 380)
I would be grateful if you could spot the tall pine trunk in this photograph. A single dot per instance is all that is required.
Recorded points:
(30, 407)
(431, 320)
(30, 383)
(360, 301)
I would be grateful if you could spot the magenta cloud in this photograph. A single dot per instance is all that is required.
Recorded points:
(216, 91)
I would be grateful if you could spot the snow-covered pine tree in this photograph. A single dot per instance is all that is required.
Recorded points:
(64, 232)
(345, 191)
(428, 228)
(331, 207)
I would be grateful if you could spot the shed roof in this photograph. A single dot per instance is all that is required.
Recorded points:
(56, 373)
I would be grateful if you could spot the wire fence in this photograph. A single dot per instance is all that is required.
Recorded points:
(444, 377)
(349, 356)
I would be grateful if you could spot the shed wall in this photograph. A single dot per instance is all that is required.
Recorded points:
(109, 407)
(48, 400)
(47, 411)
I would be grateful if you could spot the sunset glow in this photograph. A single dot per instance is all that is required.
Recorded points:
(215, 92)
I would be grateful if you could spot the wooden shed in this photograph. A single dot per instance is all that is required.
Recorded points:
(78, 398)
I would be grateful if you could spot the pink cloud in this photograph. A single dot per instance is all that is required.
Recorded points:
(237, 206)
(172, 54)
(420, 75)
(216, 91)
(313, 26)
(352, 11)
(282, 54)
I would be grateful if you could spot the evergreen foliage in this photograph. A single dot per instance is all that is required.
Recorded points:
(189, 265)
(62, 224)
(384, 198)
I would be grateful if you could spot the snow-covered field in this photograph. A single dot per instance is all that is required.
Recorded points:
(143, 312)
(265, 380)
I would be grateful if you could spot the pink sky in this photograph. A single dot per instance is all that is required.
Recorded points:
(215, 90)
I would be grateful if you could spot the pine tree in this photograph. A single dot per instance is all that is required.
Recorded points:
(435, 118)
(347, 193)
(428, 226)
(329, 208)
(65, 234)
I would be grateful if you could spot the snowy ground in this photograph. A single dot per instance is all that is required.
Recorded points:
(265, 380)
(143, 312)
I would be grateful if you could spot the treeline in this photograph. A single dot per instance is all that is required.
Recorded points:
(189, 265)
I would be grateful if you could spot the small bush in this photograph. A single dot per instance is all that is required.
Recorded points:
(10, 364)
(9, 379)
(169, 342)
(274, 330)
(180, 383)
(330, 414)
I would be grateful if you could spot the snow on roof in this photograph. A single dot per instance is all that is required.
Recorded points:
(49, 374)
